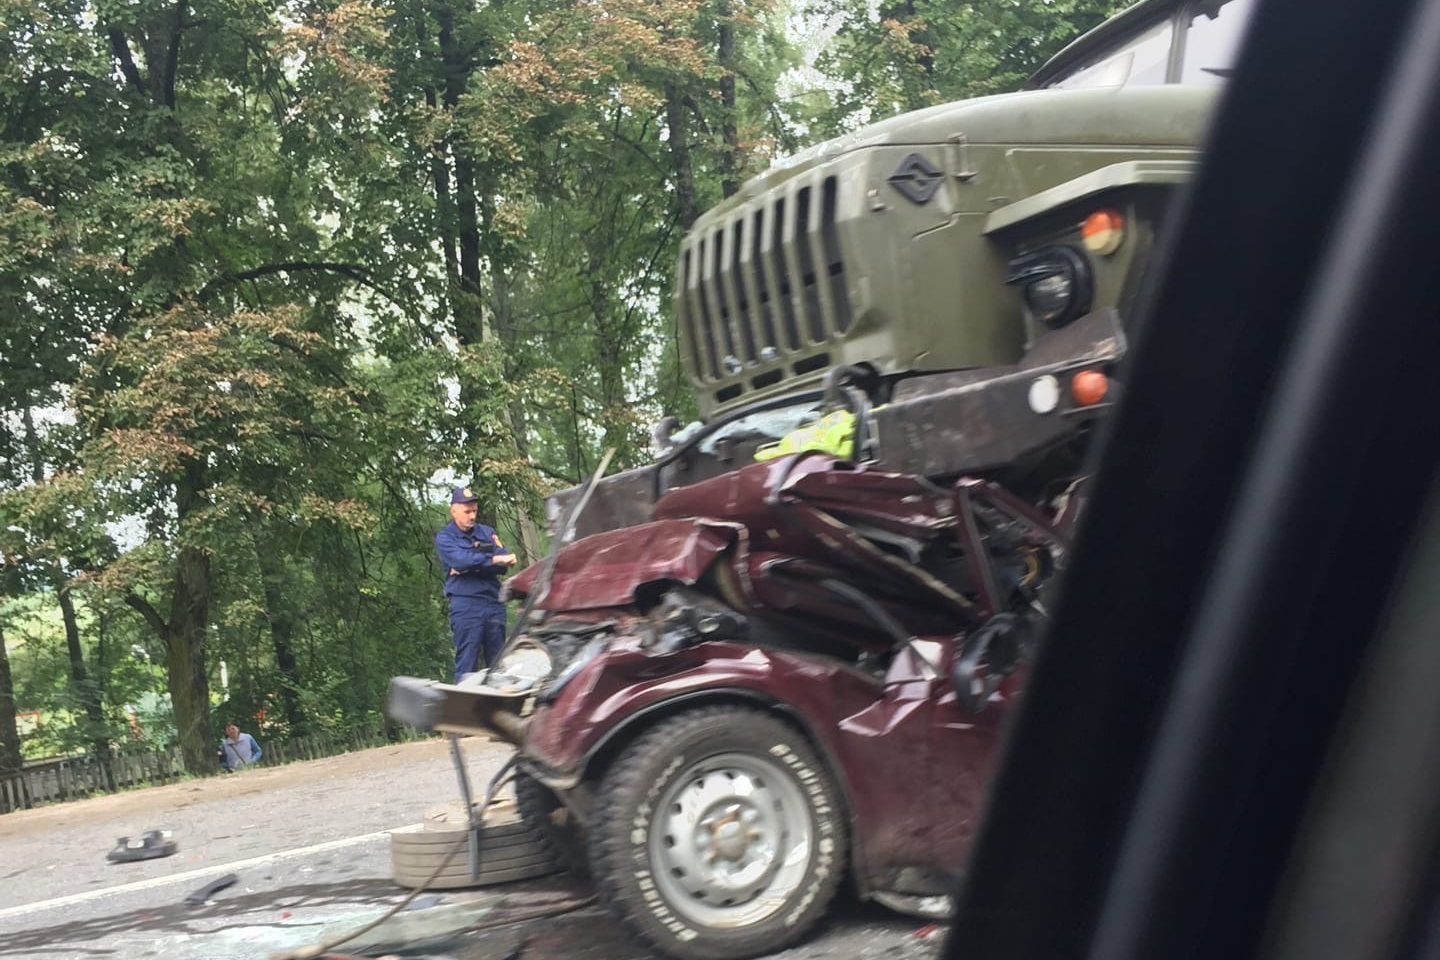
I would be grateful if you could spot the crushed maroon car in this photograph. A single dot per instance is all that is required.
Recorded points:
(795, 670)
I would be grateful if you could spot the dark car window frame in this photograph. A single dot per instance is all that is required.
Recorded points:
(1180, 20)
(1166, 778)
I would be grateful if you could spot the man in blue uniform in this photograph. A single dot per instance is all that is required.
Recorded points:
(473, 558)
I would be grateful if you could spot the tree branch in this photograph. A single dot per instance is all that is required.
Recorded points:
(697, 114)
(172, 55)
(121, 48)
(355, 273)
(543, 470)
(620, 138)
(151, 615)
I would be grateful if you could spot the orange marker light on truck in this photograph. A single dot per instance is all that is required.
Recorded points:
(1089, 387)
(1103, 231)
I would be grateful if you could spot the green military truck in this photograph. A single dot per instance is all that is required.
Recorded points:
(941, 262)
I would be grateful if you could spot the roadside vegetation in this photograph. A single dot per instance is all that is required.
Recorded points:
(272, 272)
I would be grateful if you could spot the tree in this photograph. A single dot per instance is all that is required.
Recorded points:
(11, 761)
(906, 54)
(178, 184)
(269, 272)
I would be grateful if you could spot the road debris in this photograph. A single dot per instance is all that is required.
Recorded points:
(151, 845)
(204, 894)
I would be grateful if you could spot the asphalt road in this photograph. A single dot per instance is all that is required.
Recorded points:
(309, 846)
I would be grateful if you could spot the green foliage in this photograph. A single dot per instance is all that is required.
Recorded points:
(906, 54)
(120, 666)
(272, 274)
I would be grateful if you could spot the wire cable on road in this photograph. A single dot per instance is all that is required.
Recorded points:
(316, 950)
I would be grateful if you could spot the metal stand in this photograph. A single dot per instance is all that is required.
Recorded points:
(472, 825)
(474, 819)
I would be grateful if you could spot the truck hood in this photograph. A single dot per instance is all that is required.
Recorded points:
(1159, 116)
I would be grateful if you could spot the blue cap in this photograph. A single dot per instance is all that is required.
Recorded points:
(463, 495)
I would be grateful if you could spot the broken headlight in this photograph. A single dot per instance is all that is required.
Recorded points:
(521, 667)
(589, 652)
(1055, 282)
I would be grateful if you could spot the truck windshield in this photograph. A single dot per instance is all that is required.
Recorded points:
(1211, 38)
(1142, 61)
(1212, 42)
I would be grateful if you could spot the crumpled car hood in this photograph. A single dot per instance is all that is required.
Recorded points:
(608, 569)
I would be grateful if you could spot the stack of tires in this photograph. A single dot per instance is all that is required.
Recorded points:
(509, 849)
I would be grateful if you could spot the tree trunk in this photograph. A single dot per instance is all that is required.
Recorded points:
(81, 687)
(185, 635)
(920, 37)
(185, 659)
(456, 65)
(610, 363)
(282, 638)
(85, 690)
(11, 761)
(730, 160)
(678, 140)
(503, 309)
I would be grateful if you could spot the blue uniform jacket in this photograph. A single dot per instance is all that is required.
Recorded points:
(470, 553)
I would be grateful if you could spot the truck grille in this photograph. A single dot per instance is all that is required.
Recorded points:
(763, 284)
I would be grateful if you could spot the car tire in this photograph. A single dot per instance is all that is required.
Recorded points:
(544, 814)
(718, 835)
(509, 850)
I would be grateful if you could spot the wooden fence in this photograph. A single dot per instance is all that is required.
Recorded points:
(53, 781)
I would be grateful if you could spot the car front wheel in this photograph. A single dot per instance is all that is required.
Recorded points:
(718, 835)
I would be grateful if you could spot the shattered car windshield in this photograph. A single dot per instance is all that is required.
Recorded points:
(764, 425)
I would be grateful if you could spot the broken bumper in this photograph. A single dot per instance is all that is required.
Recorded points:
(466, 709)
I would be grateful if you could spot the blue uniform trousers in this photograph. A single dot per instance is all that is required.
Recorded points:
(479, 628)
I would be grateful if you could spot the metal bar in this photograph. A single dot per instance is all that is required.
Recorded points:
(833, 254)
(1005, 501)
(471, 838)
(716, 315)
(462, 777)
(820, 260)
(709, 319)
(794, 275)
(976, 558)
(764, 290)
(807, 214)
(687, 313)
(745, 286)
(741, 336)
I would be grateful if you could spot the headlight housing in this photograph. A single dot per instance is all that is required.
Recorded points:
(1055, 282)
(592, 649)
(522, 667)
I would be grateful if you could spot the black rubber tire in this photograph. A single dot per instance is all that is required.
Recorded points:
(458, 877)
(417, 854)
(489, 863)
(544, 813)
(619, 832)
(425, 840)
(489, 853)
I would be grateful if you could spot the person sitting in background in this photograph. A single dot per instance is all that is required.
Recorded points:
(238, 750)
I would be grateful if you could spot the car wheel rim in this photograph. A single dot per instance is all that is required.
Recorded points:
(730, 841)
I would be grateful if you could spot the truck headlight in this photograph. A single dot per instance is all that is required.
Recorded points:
(1055, 283)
